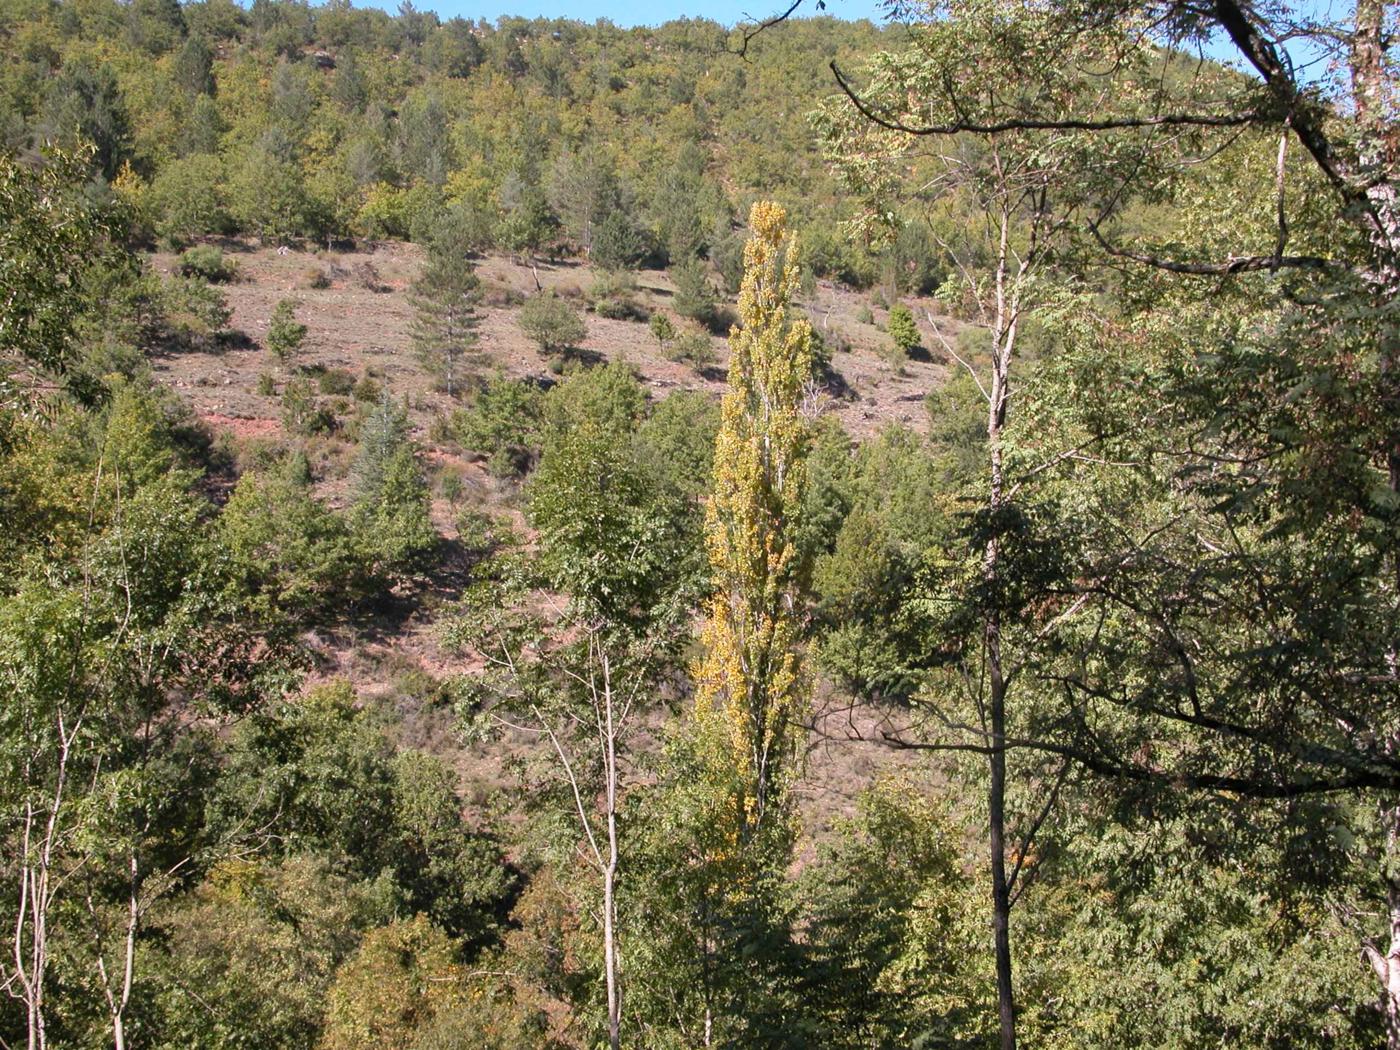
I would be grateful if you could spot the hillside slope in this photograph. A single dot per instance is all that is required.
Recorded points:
(394, 657)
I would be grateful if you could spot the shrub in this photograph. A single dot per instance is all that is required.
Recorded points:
(676, 443)
(662, 330)
(207, 263)
(184, 198)
(195, 311)
(403, 976)
(822, 347)
(367, 389)
(613, 295)
(552, 323)
(693, 348)
(903, 332)
(284, 332)
(609, 396)
(479, 531)
(392, 502)
(316, 277)
(973, 342)
(695, 298)
(502, 425)
(451, 485)
(336, 381)
(864, 315)
(302, 413)
(288, 553)
(619, 310)
(267, 386)
(368, 275)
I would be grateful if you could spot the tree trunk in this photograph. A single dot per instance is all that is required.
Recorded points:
(1373, 95)
(1386, 963)
(1004, 337)
(610, 950)
(996, 840)
(610, 959)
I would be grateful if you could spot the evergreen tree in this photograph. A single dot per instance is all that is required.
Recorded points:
(392, 502)
(194, 66)
(903, 332)
(446, 295)
(284, 332)
(617, 245)
(348, 88)
(552, 323)
(202, 128)
(84, 105)
(695, 297)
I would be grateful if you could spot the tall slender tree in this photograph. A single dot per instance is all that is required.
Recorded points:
(750, 682)
(1029, 187)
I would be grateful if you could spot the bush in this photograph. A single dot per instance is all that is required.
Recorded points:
(676, 443)
(502, 425)
(284, 333)
(367, 389)
(903, 332)
(695, 298)
(316, 277)
(195, 311)
(368, 275)
(552, 323)
(613, 295)
(302, 413)
(693, 348)
(288, 553)
(184, 198)
(479, 531)
(662, 330)
(392, 502)
(728, 256)
(207, 263)
(822, 347)
(403, 976)
(619, 310)
(451, 485)
(267, 386)
(336, 382)
(608, 396)
(864, 315)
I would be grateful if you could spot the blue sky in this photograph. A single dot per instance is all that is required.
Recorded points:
(633, 12)
(730, 12)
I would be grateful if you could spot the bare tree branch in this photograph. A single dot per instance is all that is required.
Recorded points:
(963, 124)
(1232, 265)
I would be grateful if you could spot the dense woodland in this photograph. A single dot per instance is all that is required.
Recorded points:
(1115, 623)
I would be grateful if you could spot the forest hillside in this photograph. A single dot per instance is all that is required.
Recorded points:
(797, 534)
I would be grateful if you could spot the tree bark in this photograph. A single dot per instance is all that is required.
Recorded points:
(610, 955)
(996, 841)
(1003, 343)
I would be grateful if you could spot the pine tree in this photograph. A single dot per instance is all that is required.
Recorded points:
(284, 332)
(902, 329)
(446, 295)
(750, 683)
(392, 502)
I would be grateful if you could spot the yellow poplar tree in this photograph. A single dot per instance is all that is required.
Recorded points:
(750, 682)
